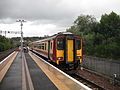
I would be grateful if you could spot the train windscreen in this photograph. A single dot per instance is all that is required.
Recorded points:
(78, 44)
(60, 44)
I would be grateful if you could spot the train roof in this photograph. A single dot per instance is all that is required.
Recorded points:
(53, 36)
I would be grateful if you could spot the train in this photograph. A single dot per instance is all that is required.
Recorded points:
(63, 49)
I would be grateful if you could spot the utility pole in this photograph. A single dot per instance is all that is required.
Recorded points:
(21, 24)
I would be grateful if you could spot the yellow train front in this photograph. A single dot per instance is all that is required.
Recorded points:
(64, 49)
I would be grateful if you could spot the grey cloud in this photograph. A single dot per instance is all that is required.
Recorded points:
(61, 12)
(33, 10)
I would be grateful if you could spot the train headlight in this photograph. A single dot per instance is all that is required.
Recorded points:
(78, 57)
(60, 58)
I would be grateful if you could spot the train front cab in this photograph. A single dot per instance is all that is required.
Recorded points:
(69, 51)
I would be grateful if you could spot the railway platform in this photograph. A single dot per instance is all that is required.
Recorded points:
(39, 79)
(13, 78)
(27, 71)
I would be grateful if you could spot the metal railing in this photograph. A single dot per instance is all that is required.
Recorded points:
(107, 67)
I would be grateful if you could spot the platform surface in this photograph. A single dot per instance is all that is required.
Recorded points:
(13, 78)
(39, 78)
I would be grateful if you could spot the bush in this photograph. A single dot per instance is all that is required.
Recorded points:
(109, 51)
(5, 43)
(1, 47)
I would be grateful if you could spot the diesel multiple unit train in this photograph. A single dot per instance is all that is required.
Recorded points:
(64, 49)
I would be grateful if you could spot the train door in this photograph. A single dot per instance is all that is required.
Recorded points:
(48, 50)
(70, 50)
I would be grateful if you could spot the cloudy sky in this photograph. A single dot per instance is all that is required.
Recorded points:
(47, 17)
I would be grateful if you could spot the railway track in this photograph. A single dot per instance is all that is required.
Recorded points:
(4, 54)
(77, 74)
(77, 77)
(96, 82)
(86, 82)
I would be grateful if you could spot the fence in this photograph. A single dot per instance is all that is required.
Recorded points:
(104, 66)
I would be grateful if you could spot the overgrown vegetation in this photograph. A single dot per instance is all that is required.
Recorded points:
(5, 43)
(8, 43)
(101, 39)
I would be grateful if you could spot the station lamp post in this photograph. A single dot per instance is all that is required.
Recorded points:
(21, 24)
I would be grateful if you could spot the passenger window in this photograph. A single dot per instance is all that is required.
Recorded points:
(45, 46)
(51, 45)
(60, 44)
(78, 44)
(40, 46)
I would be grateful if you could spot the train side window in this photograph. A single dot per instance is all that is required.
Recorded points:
(60, 44)
(40, 46)
(51, 45)
(78, 44)
(45, 46)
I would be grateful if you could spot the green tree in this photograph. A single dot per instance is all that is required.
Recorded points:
(5, 43)
(85, 26)
(102, 38)
(110, 32)
(110, 26)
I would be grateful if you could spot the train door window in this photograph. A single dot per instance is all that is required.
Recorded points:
(39, 46)
(60, 44)
(51, 45)
(45, 46)
(78, 44)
